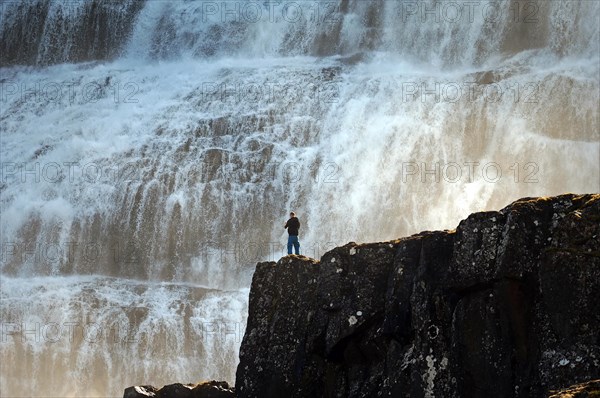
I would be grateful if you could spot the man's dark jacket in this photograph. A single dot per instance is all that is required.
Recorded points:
(292, 225)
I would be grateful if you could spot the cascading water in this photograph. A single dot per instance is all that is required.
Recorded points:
(151, 151)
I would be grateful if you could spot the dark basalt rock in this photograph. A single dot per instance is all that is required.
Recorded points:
(140, 392)
(507, 305)
(208, 389)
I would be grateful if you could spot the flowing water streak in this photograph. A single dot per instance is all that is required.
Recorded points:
(151, 151)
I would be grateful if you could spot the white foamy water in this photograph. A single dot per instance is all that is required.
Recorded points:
(98, 334)
(143, 179)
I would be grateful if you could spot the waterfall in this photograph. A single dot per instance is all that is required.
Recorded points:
(151, 151)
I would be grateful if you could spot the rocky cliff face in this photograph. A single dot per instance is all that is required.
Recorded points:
(507, 305)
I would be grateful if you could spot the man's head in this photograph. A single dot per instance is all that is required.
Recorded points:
(292, 214)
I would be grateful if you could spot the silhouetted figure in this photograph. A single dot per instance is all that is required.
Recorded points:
(293, 225)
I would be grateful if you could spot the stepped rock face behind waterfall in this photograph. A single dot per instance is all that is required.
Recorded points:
(507, 305)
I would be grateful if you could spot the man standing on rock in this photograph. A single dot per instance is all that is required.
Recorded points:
(293, 225)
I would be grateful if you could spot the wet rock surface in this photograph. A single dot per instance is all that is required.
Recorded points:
(506, 305)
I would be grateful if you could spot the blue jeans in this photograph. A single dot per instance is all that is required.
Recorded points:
(293, 240)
